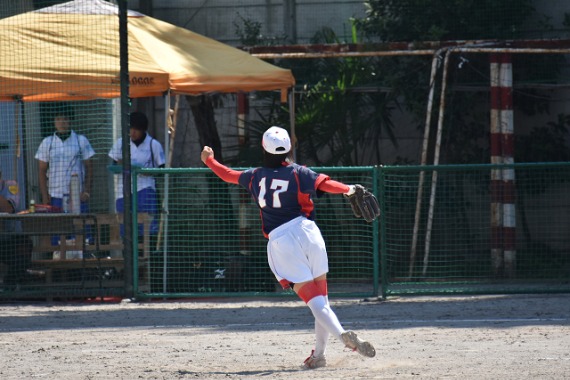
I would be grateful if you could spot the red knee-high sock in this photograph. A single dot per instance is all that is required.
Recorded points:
(324, 315)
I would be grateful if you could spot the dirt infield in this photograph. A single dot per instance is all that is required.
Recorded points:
(484, 337)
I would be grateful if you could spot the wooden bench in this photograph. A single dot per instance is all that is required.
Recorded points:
(99, 242)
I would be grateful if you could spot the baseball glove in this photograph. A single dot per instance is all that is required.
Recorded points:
(364, 204)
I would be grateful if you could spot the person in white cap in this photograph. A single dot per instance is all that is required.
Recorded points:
(296, 252)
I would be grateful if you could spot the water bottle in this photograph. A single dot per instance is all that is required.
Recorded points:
(75, 194)
(32, 206)
(65, 205)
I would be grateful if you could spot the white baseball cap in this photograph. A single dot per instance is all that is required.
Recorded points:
(276, 141)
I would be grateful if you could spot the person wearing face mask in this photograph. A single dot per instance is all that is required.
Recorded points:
(146, 152)
(60, 156)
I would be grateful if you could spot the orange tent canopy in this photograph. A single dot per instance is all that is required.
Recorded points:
(71, 52)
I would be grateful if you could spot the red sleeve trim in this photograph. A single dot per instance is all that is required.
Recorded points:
(320, 179)
(331, 186)
(222, 171)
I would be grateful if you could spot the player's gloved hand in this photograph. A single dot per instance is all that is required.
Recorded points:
(363, 203)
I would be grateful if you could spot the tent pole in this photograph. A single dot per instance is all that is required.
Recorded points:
(164, 208)
(128, 216)
(244, 200)
(16, 141)
(166, 97)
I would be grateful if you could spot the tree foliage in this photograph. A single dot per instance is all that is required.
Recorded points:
(341, 111)
(438, 20)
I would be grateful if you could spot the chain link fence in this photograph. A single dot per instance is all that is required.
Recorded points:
(210, 240)
(442, 239)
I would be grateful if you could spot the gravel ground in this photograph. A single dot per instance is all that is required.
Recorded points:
(483, 337)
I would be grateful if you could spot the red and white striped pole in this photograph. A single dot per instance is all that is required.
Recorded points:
(503, 213)
(507, 146)
(496, 175)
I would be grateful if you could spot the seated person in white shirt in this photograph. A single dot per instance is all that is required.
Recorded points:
(15, 248)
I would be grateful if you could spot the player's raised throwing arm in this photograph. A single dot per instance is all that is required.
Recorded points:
(222, 171)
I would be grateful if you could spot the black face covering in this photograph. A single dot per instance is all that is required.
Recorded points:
(63, 135)
(138, 142)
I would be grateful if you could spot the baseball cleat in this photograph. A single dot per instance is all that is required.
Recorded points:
(313, 362)
(352, 341)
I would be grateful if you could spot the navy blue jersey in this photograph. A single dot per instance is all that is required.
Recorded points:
(283, 193)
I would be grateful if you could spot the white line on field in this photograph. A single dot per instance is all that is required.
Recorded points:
(388, 321)
(364, 324)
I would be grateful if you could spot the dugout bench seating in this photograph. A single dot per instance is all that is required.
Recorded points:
(101, 254)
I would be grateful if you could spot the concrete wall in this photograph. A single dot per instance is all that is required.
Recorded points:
(14, 7)
(301, 18)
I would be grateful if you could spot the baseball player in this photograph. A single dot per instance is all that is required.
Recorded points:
(296, 251)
